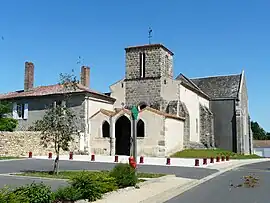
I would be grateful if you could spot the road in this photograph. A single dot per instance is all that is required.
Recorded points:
(222, 188)
(16, 166)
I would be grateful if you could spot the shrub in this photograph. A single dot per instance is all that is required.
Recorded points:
(68, 193)
(8, 124)
(93, 185)
(35, 193)
(7, 196)
(124, 175)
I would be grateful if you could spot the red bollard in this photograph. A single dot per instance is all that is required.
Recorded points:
(227, 158)
(212, 160)
(223, 158)
(30, 155)
(197, 162)
(70, 155)
(50, 155)
(168, 162)
(132, 162)
(217, 159)
(205, 161)
(92, 157)
(116, 158)
(141, 160)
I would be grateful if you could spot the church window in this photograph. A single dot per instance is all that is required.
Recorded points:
(142, 65)
(140, 128)
(105, 129)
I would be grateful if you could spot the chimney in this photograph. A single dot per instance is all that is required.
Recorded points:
(85, 76)
(29, 76)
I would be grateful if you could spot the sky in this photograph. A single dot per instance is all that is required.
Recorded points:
(207, 37)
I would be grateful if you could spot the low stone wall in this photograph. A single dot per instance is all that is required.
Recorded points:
(20, 143)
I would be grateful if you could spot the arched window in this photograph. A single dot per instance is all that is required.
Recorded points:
(140, 128)
(105, 129)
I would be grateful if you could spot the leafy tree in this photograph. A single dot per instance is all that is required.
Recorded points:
(58, 125)
(258, 132)
(6, 124)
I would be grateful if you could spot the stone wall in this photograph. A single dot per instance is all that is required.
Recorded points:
(20, 143)
(206, 127)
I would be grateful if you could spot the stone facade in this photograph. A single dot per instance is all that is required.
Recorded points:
(158, 68)
(20, 143)
(206, 127)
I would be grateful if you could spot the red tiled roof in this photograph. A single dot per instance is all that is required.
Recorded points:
(49, 90)
(261, 143)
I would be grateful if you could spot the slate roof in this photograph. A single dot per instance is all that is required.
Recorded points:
(191, 85)
(51, 90)
(219, 86)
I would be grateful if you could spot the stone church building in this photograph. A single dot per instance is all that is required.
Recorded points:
(175, 113)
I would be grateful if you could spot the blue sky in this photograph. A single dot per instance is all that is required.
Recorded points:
(207, 37)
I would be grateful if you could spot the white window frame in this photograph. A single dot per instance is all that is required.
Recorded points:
(15, 113)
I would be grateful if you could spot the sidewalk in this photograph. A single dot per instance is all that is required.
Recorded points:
(165, 188)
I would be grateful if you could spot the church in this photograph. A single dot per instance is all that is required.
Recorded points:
(175, 113)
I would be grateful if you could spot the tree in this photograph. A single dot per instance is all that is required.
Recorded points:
(58, 125)
(6, 124)
(258, 132)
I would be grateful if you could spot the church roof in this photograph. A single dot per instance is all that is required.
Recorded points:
(118, 110)
(191, 85)
(146, 46)
(219, 86)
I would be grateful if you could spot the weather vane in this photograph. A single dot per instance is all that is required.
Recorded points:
(150, 34)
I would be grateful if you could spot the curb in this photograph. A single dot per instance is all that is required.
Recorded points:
(173, 192)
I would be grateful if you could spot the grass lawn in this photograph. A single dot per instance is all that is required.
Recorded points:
(70, 174)
(8, 157)
(207, 153)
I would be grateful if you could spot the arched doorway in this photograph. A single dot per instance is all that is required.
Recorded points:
(122, 135)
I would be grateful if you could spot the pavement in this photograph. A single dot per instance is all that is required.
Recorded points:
(8, 167)
(173, 188)
(223, 188)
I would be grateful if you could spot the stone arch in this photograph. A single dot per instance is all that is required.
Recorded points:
(122, 135)
(140, 128)
(142, 105)
(105, 129)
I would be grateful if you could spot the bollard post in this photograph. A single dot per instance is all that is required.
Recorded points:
(217, 159)
(168, 162)
(115, 158)
(205, 161)
(197, 162)
(92, 157)
(223, 158)
(70, 155)
(30, 155)
(227, 158)
(212, 160)
(50, 155)
(141, 160)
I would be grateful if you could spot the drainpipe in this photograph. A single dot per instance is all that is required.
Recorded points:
(87, 127)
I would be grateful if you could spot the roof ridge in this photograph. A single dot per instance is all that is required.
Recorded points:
(215, 76)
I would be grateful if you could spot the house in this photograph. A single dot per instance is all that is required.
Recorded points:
(262, 148)
(30, 103)
(174, 113)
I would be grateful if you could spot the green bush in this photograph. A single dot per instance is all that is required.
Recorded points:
(7, 196)
(68, 193)
(8, 124)
(124, 175)
(35, 193)
(93, 185)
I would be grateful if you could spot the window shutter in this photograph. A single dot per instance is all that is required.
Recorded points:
(14, 112)
(25, 115)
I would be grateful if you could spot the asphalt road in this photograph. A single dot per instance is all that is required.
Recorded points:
(9, 167)
(222, 188)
